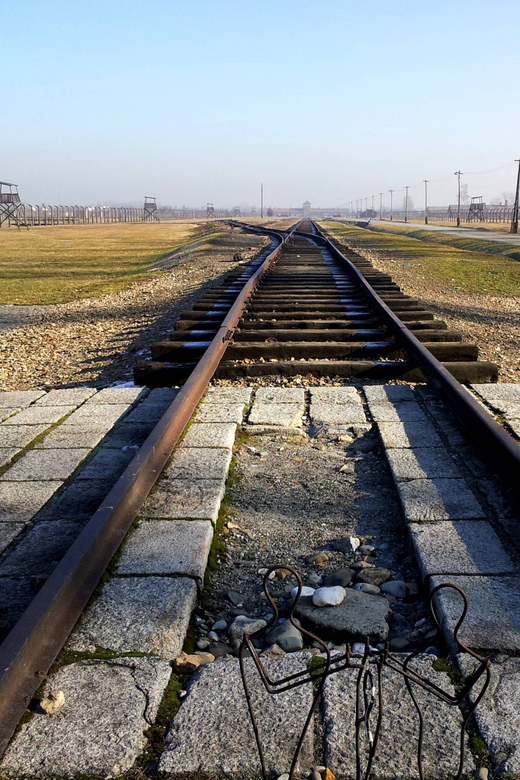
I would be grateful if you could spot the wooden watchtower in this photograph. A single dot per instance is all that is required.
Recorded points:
(150, 209)
(10, 204)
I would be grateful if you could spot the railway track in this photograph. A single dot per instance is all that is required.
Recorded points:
(301, 308)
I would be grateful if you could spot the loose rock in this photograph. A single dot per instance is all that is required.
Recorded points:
(53, 702)
(328, 597)
(317, 559)
(395, 588)
(341, 577)
(366, 587)
(286, 636)
(373, 576)
(244, 625)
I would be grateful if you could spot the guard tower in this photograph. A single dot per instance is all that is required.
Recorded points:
(476, 209)
(210, 210)
(236, 211)
(10, 205)
(150, 209)
(306, 209)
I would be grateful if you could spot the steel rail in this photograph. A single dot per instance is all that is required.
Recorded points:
(33, 644)
(482, 427)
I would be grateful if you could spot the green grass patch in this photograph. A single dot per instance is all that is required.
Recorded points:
(476, 272)
(57, 264)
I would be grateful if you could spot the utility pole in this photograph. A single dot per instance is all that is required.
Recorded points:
(425, 201)
(514, 221)
(366, 207)
(373, 196)
(406, 205)
(380, 205)
(262, 201)
(458, 174)
(391, 205)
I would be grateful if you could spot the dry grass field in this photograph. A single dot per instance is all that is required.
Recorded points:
(63, 263)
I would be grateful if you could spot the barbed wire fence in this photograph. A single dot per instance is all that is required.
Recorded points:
(46, 214)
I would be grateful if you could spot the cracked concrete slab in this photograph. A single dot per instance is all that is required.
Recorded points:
(426, 500)
(91, 734)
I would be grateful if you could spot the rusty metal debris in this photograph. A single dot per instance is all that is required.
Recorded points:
(369, 685)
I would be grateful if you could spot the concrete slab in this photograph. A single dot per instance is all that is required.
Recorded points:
(72, 396)
(43, 465)
(78, 502)
(426, 500)
(162, 395)
(128, 435)
(405, 411)
(19, 398)
(276, 414)
(119, 395)
(97, 416)
(493, 620)
(340, 414)
(228, 395)
(508, 409)
(20, 501)
(392, 393)
(463, 547)
(212, 733)
(179, 498)
(70, 437)
(106, 464)
(505, 391)
(498, 714)
(15, 597)
(335, 395)
(7, 454)
(280, 395)
(195, 463)
(41, 549)
(8, 532)
(396, 755)
(7, 412)
(19, 435)
(146, 412)
(421, 463)
(515, 426)
(174, 547)
(37, 415)
(408, 434)
(138, 614)
(210, 435)
(212, 412)
(92, 734)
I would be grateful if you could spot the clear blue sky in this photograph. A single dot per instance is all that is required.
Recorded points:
(106, 101)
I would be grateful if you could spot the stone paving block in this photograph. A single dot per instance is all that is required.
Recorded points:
(147, 412)
(425, 500)
(19, 435)
(289, 415)
(138, 614)
(43, 465)
(79, 501)
(168, 547)
(405, 411)
(280, 395)
(335, 395)
(212, 412)
(19, 398)
(508, 409)
(97, 416)
(408, 434)
(106, 464)
(498, 714)
(396, 755)
(162, 395)
(119, 395)
(129, 435)
(493, 620)
(20, 501)
(342, 414)
(421, 463)
(392, 393)
(515, 426)
(70, 437)
(15, 597)
(37, 415)
(7, 454)
(505, 391)
(176, 498)
(194, 463)
(8, 532)
(212, 733)
(210, 435)
(67, 397)
(92, 734)
(7, 412)
(228, 395)
(463, 547)
(41, 549)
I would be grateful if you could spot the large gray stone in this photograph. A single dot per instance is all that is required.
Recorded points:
(288, 415)
(216, 412)
(389, 393)
(212, 733)
(178, 498)
(493, 620)
(421, 463)
(8, 532)
(404, 411)
(280, 395)
(168, 547)
(210, 435)
(19, 501)
(72, 396)
(119, 395)
(463, 547)
(43, 465)
(70, 437)
(358, 616)
(19, 435)
(38, 415)
(41, 549)
(7, 454)
(100, 730)
(19, 398)
(139, 614)
(97, 417)
(396, 756)
(408, 434)
(194, 463)
(426, 500)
